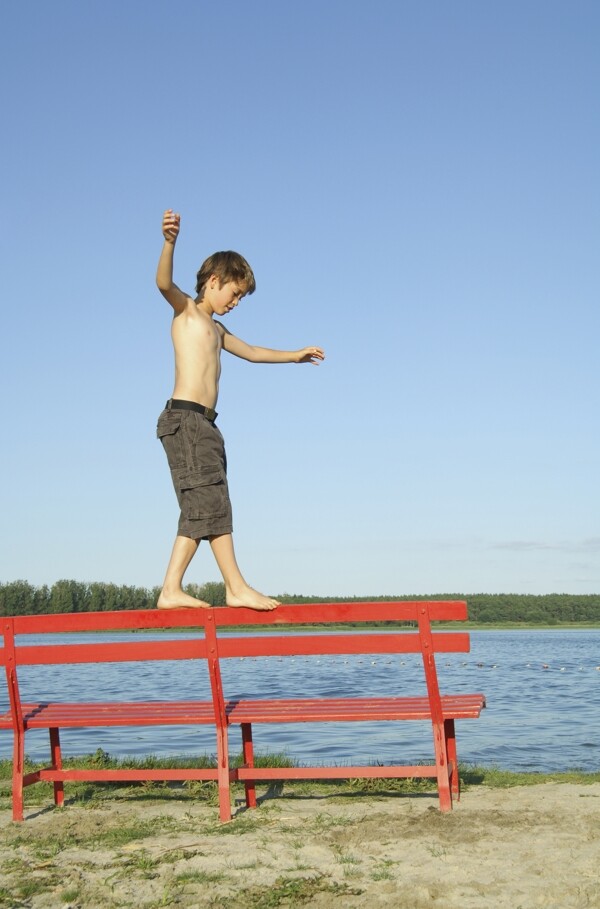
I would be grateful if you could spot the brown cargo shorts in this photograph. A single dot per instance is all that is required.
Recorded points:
(196, 453)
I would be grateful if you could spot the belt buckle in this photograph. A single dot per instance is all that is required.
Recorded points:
(210, 414)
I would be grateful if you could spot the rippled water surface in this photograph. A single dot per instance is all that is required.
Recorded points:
(542, 688)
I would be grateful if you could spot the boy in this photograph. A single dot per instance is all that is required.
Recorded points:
(186, 428)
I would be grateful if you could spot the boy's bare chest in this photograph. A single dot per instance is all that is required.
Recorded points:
(194, 333)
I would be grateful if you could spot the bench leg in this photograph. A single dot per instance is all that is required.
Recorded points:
(248, 752)
(441, 761)
(223, 775)
(56, 758)
(17, 786)
(452, 758)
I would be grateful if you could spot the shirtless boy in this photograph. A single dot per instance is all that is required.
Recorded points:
(186, 428)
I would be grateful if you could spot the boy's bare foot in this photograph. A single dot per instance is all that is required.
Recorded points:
(180, 600)
(250, 598)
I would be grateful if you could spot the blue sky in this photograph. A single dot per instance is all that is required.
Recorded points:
(416, 185)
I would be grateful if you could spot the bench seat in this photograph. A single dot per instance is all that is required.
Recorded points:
(113, 713)
(298, 710)
(345, 710)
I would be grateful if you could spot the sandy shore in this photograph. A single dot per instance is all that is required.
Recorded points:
(519, 848)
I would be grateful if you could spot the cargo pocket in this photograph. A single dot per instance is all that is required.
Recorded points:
(168, 431)
(168, 423)
(204, 494)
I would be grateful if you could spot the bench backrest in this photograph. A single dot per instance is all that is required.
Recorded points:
(213, 644)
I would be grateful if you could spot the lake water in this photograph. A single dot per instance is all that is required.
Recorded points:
(542, 689)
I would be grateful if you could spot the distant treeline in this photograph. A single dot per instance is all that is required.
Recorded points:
(22, 598)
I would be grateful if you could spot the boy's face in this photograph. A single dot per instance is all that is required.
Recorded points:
(225, 297)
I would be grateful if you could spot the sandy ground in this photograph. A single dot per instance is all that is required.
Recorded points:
(520, 848)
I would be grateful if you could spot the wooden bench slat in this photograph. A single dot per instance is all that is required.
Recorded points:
(342, 613)
(111, 652)
(311, 614)
(345, 644)
(243, 648)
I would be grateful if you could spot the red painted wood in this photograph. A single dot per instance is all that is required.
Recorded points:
(350, 709)
(440, 710)
(61, 623)
(167, 713)
(111, 652)
(102, 775)
(336, 773)
(302, 710)
(295, 645)
(125, 620)
(340, 613)
(329, 644)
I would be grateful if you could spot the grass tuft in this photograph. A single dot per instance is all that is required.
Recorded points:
(296, 891)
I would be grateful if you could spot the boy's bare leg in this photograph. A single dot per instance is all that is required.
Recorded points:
(237, 592)
(172, 595)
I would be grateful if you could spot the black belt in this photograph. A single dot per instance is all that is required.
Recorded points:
(208, 412)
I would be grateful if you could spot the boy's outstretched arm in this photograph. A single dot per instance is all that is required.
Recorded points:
(164, 272)
(265, 355)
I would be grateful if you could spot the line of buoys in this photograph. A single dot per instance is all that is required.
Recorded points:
(464, 663)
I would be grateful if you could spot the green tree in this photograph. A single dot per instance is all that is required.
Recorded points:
(212, 592)
(67, 596)
(16, 598)
(41, 600)
(96, 597)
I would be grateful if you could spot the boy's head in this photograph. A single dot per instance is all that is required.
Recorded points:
(227, 266)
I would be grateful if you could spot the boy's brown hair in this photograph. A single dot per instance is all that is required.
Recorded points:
(227, 266)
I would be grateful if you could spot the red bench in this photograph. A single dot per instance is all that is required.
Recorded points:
(214, 643)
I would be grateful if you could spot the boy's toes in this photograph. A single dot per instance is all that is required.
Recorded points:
(252, 599)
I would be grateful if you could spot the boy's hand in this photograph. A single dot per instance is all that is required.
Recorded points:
(170, 225)
(310, 355)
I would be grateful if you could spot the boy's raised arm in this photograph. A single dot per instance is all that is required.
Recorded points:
(164, 272)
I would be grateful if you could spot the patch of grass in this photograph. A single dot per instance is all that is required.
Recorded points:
(143, 862)
(382, 874)
(121, 835)
(32, 886)
(273, 759)
(16, 866)
(245, 823)
(46, 846)
(43, 846)
(345, 858)
(199, 877)
(506, 779)
(436, 851)
(179, 855)
(324, 822)
(410, 785)
(297, 891)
